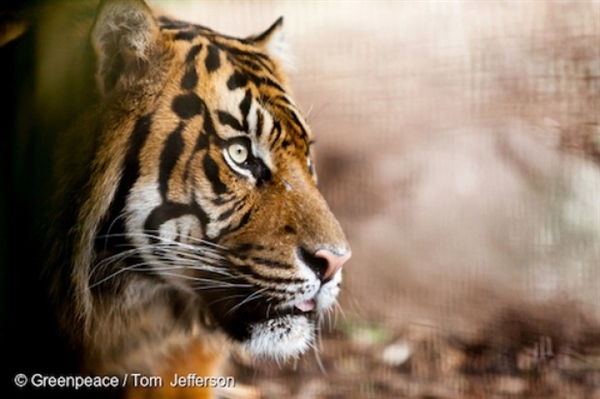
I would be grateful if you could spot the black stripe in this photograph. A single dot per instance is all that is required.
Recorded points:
(197, 211)
(275, 136)
(213, 60)
(259, 64)
(169, 156)
(294, 120)
(303, 133)
(211, 170)
(187, 105)
(209, 127)
(171, 210)
(260, 122)
(236, 207)
(283, 99)
(190, 78)
(245, 105)
(249, 63)
(264, 81)
(202, 142)
(222, 200)
(246, 270)
(237, 80)
(253, 54)
(230, 229)
(225, 215)
(247, 247)
(271, 263)
(113, 223)
(227, 119)
(246, 57)
(194, 51)
(245, 219)
(187, 35)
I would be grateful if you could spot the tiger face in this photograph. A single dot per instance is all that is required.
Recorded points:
(215, 192)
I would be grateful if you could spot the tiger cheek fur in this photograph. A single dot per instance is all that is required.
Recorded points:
(199, 216)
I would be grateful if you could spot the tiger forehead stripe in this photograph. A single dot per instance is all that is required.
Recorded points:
(213, 60)
(191, 55)
(188, 105)
(190, 78)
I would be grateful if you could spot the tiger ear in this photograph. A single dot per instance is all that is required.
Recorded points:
(273, 42)
(124, 36)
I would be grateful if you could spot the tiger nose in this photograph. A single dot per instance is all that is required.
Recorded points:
(333, 262)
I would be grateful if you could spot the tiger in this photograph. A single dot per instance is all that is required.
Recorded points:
(185, 221)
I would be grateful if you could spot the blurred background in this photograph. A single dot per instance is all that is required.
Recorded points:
(459, 145)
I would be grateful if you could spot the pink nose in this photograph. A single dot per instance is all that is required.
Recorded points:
(334, 262)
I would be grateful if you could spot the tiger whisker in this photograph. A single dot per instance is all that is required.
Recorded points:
(191, 251)
(314, 345)
(269, 309)
(340, 310)
(155, 234)
(116, 273)
(208, 255)
(226, 298)
(145, 267)
(189, 258)
(221, 284)
(195, 266)
(122, 255)
(206, 268)
(197, 279)
(112, 223)
(246, 300)
(254, 296)
(327, 315)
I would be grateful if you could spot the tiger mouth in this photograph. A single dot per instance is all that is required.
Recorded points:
(306, 308)
(238, 321)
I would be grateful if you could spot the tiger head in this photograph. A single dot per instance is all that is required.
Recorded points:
(214, 191)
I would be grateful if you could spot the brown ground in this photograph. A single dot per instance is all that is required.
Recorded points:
(420, 361)
(459, 144)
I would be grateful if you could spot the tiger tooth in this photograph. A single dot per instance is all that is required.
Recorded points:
(306, 306)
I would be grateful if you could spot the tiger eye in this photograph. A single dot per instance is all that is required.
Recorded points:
(238, 152)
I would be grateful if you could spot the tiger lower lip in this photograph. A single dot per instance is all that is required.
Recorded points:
(306, 306)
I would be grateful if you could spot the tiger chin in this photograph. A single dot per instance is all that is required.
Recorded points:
(186, 219)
